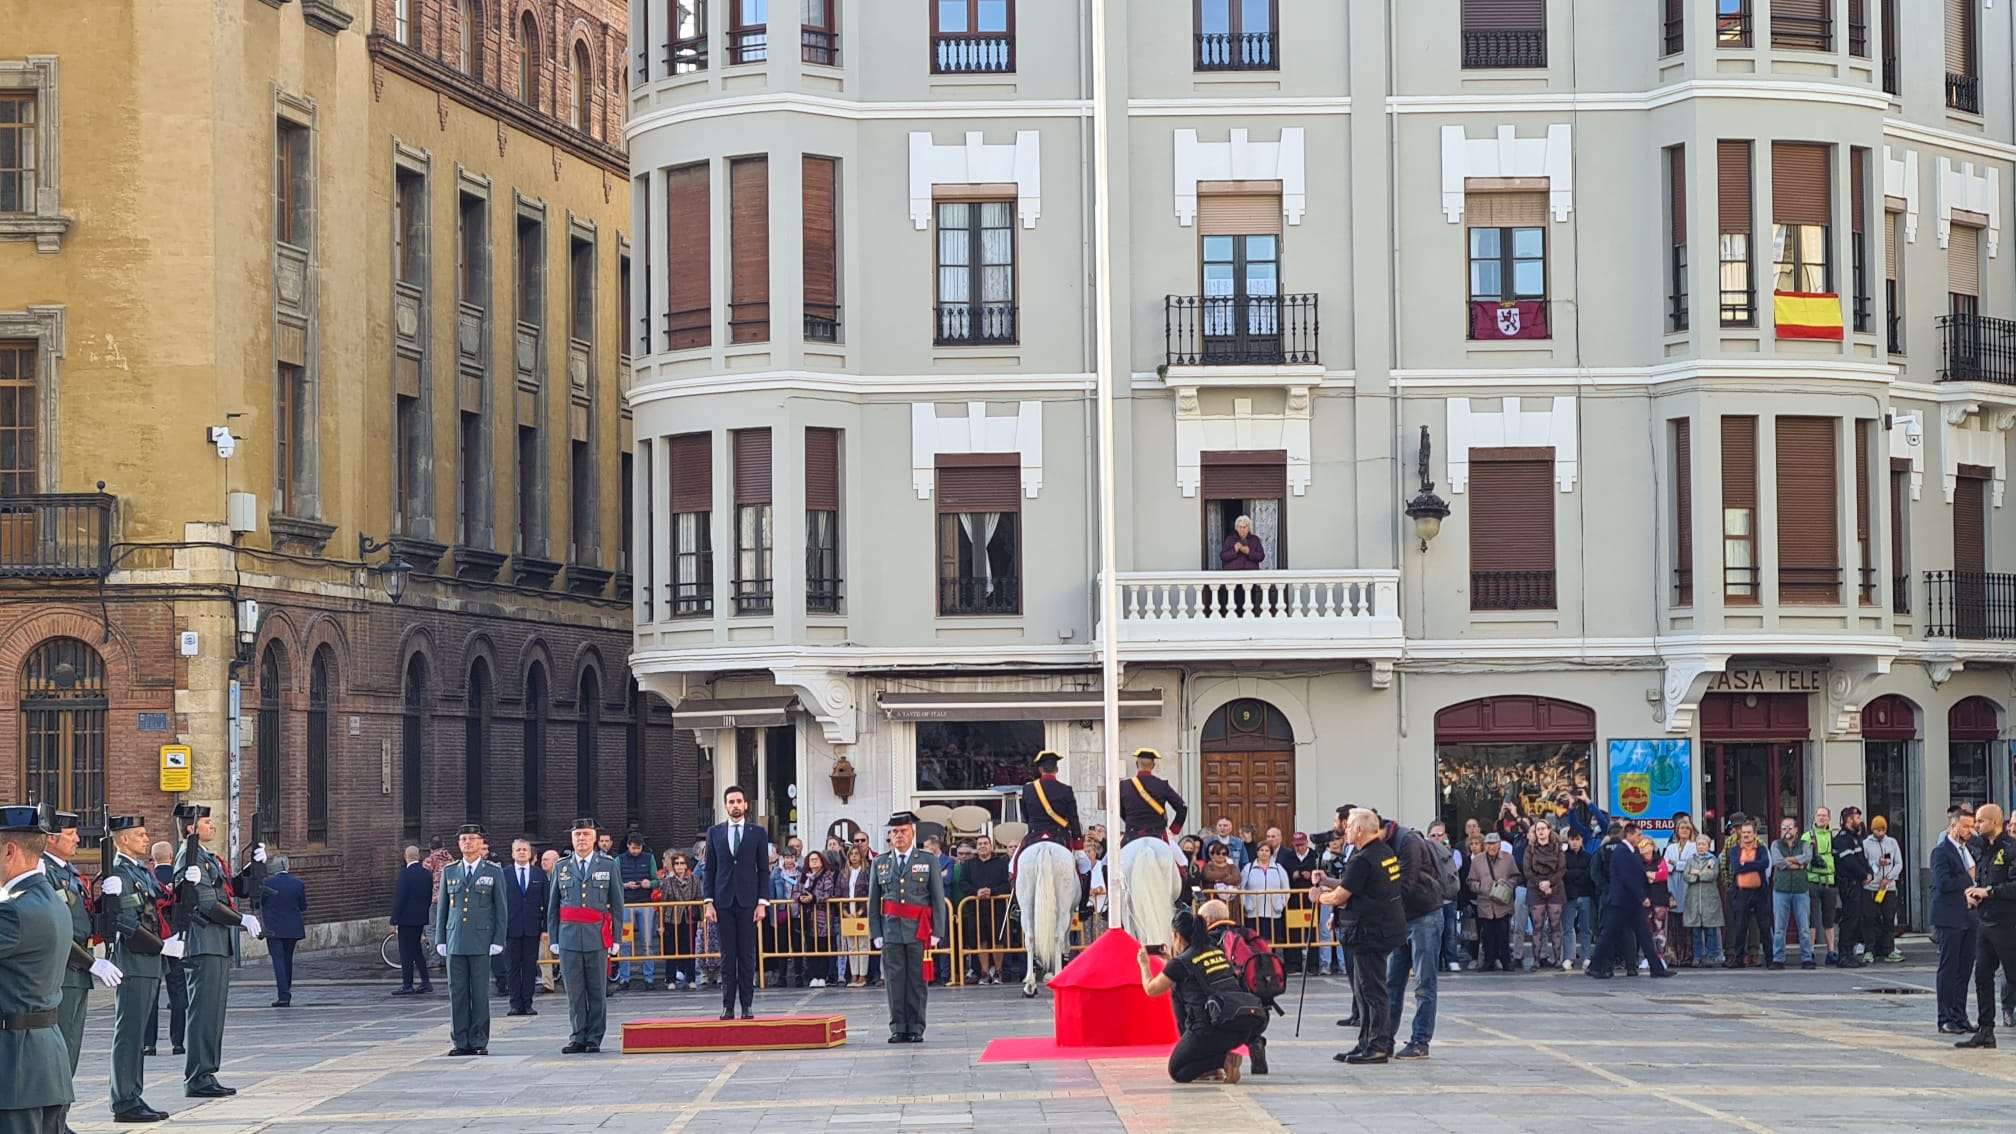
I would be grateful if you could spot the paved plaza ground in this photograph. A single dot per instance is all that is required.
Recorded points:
(1790, 1052)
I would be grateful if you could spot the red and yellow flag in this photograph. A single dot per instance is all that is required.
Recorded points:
(1807, 315)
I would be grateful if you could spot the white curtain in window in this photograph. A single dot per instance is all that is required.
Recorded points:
(979, 528)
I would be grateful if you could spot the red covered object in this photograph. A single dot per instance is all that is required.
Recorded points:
(776, 1033)
(1099, 1002)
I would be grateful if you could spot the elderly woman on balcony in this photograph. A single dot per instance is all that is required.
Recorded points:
(1242, 550)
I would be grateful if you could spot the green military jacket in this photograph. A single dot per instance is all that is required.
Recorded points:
(69, 886)
(469, 913)
(34, 945)
(206, 938)
(596, 886)
(913, 879)
(139, 892)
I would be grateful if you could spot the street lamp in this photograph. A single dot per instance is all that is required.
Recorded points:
(1427, 510)
(395, 571)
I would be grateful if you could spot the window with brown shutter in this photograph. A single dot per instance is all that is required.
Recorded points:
(979, 499)
(1966, 594)
(749, 255)
(1858, 28)
(1900, 541)
(689, 228)
(1504, 34)
(1683, 511)
(1963, 82)
(822, 249)
(1732, 184)
(1512, 529)
(1676, 215)
(1858, 250)
(753, 535)
(1739, 509)
(690, 472)
(1245, 483)
(1963, 262)
(1239, 214)
(1809, 511)
(1673, 38)
(1865, 547)
(1801, 216)
(822, 521)
(1802, 25)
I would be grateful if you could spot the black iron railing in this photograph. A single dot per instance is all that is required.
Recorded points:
(1739, 306)
(754, 596)
(822, 322)
(966, 53)
(1978, 348)
(1866, 586)
(1963, 92)
(1900, 594)
(1802, 33)
(56, 535)
(996, 594)
(686, 56)
(1241, 330)
(1739, 584)
(822, 596)
(1858, 35)
(1890, 75)
(974, 324)
(1677, 267)
(817, 45)
(1676, 36)
(1809, 585)
(1683, 586)
(1860, 271)
(749, 45)
(1511, 590)
(1975, 605)
(1503, 48)
(691, 600)
(1893, 319)
(1237, 51)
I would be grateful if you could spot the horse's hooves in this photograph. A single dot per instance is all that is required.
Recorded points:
(1028, 993)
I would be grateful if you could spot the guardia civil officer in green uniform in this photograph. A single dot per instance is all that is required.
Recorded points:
(34, 940)
(906, 892)
(127, 900)
(208, 945)
(469, 922)
(80, 968)
(582, 914)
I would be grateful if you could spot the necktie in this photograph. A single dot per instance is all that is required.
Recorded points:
(735, 839)
(524, 880)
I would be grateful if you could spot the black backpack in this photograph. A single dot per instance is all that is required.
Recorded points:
(1260, 970)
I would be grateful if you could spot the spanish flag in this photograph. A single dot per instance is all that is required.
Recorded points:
(1807, 315)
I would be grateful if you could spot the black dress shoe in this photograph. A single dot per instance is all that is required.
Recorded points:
(913, 1037)
(462, 1051)
(748, 1015)
(1349, 1056)
(150, 1051)
(404, 991)
(209, 1093)
(1665, 972)
(1596, 974)
(518, 1012)
(574, 1049)
(728, 1015)
(1348, 1022)
(283, 1004)
(1369, 1057)
(1950, 1030)
(176, 1050)
(899, 1038)
(138, 1116)
(480, 1051)
(592, 1048)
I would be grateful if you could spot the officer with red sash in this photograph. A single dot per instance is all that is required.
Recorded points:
(1050, 807)
(1149, 807)
(583, 909)
(906, 894)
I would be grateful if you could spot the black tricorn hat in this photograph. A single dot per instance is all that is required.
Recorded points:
(125, 822)
(27, 817)
(471, 829)
(1047, 757)
(581, 824)
(190, 812)
(1146, 754)
(903, 819)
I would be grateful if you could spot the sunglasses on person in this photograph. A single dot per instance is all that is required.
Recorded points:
(1219, 850)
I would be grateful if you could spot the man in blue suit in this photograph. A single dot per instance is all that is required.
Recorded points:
(410, 900)
(1953, 923)
(1626, 906)
(284, 901)
(738, 870)
(525, 894)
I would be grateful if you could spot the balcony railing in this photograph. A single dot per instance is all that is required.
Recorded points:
(1241, 330)
(1675, 39)
(994, 594)
(974, 324)
(1236, 51)
(966, 53)
(822, 322)
(817, 45)
(749, 45)
(1963, 92)
(686, 56)
(1973, 605)
(1511, 590)
(822, 596)
(56, 535)
(1890, 74)
(1809, 585)
(1502, 48)
(1266, 608)
(1978, 348)
(754, 596)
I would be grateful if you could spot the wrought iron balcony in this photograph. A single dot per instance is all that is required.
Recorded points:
(1512, 590)
(56, 535)
(1978, 348)
(993, 594)
(1236, 51)
(1972, 605)
(1502, 48)
(1241, 330)
(974, 324)
(1963, 92)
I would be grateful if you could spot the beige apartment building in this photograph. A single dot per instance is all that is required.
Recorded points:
(382, 245)
(1692, 314)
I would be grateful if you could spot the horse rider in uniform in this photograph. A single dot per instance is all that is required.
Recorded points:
(1149, 807)
(209, 944)
(81, 966)
(35, 939)
(583, 911)
(469, 925)
(1050, 807)
(906, 891)
(130, 917)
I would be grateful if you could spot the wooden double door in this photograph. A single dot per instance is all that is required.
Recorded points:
(1248, 787)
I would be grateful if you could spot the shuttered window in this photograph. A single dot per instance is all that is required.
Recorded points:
(1858, 245)
(1858, 28)
(1673, 33)
(1739, 509)
(753, 515)
(822, 521)
(1676, 218)
(689, 228)
(1504, 33)
(822, 470)
(1809, 511)
(1802, 25)
(749, 243)
(690, 587)
(1512, 529)
(1970, 537)
(979, 534)
(822, 249)
(1963, 50)
(1739, 293)
(1239, 214)
(1245, 475)
(1245, 483)
(1865, 582)
(1900, 563)
(1801, 217)
(1683, 511)
(1963, 261)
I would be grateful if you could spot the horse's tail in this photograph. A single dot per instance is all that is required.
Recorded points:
(1049, 911)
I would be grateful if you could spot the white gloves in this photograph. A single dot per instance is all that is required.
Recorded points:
(250, 924)
(878, 942)
(616, 950)
(934, 942)
(172, 947)
(193, 875)
(259, 853)
(108, 974)
(112, 887)
(496, 949)
(441, 949)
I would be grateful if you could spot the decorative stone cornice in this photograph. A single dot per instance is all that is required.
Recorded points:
(411, 65)
(325, 15)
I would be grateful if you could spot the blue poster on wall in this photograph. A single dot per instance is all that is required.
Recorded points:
(1649, 781)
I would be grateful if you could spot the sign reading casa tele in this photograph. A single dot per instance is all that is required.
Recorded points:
(1766, 681)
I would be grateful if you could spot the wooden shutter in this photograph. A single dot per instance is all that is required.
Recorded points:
(1683, 508)
(1809, 543)
(1246, 475)
(692, 472)
(1890, 245)
(968, 486)
(1865, 552)
(822, 250)
(1505, 210)
(1676, 196)
(1963, 261)
(1732, 178)
(689, 229)
(822, 470)
(1511, 510)
(749, 250)
(1517, 15)
(1960, 36)
(1799, 193)
(1802, 33)
(1739, 462)
(1239, 214)
(752, 466)
(1858, 17)
(1970, 545)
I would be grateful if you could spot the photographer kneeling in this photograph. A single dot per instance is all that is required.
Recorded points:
(1217, 1012)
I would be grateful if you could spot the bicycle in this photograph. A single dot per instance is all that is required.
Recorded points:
(390, 949)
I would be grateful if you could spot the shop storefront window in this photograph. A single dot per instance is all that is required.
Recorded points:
(1477, 779)
(975, 757)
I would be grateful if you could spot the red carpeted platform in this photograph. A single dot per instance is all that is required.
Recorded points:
(1099, 1002)
(780, 1033)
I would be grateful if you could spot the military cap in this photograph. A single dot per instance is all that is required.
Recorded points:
(903, 819)
(66, 821)
(28, 817)
(1047, 756)
(125, 822)
(583, 824)
(1147, 754)
(190, 812)
(471, 829)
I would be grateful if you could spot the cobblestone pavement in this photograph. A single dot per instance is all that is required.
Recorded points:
(1790, 1052)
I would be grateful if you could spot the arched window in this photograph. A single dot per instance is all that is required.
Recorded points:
(577, 83)
(469, 24)
(475, 741)
(63, 729)
(267, 807)
(528, 60)
(318, 746)
(412, 744)
(535, 745)
(587, 729)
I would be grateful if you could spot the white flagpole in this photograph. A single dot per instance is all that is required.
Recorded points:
(1109, 584)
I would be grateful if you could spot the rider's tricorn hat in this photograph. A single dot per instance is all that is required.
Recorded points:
(1047, 760)
(1146, 754)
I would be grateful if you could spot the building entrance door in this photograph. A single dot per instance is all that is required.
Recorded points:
(1247, 767)
(1763, 781)
(1886, 771)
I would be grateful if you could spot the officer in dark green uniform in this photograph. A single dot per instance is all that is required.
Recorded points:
(209, 942)
(582, 913)
(80, 967)
(34, 940)
(127, 900)
(469, 922)
(906, 894)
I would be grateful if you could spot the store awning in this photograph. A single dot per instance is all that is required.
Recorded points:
(1082, 706)
(734, 712)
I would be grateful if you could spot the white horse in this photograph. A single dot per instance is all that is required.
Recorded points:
(1154, 872)
(1046, 889)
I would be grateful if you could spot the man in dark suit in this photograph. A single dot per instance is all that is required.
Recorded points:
(525, 894)
(1626, 910)
(410, 900)
(738, 869)
(284, 901)
(173, 978)
(1953, 922)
